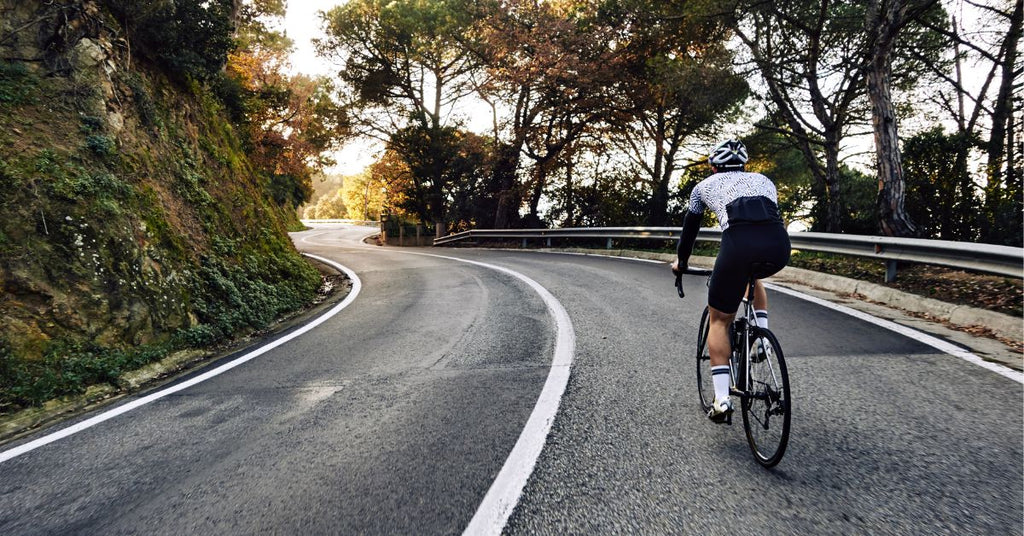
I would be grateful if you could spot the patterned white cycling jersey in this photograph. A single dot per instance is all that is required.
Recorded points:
(720, 189)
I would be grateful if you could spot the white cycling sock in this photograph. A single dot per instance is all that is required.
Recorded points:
(761, 317)
(720, 376)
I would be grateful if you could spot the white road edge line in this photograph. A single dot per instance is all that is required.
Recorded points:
(934, 342)
(925, 338)
(107, 415)
(507, 488)
(636, 259)
(580, 254)
(912, 333)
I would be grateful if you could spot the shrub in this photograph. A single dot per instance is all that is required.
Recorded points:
(143, 100)
(17, 86)
(191, 38)
(100, 145)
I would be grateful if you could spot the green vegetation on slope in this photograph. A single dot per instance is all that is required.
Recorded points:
(132, 224)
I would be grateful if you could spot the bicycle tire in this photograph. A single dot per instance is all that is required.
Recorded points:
(705, 385)
(767, 408)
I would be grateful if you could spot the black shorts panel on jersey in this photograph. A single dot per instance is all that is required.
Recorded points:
(743, 245)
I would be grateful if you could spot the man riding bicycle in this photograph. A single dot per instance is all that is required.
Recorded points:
(746, 205)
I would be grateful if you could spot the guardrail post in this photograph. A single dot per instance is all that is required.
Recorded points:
(890, 271)
(524, 243)
(609, 246)
(549, 242)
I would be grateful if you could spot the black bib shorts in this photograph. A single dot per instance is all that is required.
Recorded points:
(742, 245)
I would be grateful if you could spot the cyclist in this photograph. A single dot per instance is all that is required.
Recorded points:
(746, 205)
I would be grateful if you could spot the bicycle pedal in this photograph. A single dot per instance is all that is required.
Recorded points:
(721, 418)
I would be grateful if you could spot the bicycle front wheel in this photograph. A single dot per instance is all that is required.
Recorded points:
(767, 406)
(705, 385)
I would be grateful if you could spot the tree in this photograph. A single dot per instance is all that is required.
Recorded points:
(884, 23)
(405, 64)
(395, 180)
(1003, 193)
(292, 122)
(814, 57)
(676, 80)
(550, 63)
(329, 207)
(858, 214)
(778, 157)
(601, 197)
(941, 196)
(473, 193)
(986, 109)
(190, 38)
(363, 195)
(446, 168)
(1002, 146)
(134, 14)
(808, 55)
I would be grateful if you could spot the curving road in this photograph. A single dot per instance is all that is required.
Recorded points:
(396, 414)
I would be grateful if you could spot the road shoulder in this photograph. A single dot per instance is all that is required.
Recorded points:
(159, 373)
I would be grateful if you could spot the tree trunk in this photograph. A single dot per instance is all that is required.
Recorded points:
(1002, 114)
(657, 206)
(834, 217)
(885, 19)
(505, 170)
(892, 215)
(570, 209)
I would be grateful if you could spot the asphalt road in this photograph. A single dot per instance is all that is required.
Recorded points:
(395, 415)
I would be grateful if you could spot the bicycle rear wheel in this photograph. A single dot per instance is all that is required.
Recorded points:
(767, 406)
(705, 385)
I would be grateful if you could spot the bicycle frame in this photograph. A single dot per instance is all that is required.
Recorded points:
(739, 357)
(743, 328)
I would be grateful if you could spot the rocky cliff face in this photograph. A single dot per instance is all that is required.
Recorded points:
(131, 221)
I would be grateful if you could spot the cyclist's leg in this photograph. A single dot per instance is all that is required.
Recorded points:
(729, 278)
(718, 336)
(725, 291)
(719, 348)
(760, 296)
(760, 304)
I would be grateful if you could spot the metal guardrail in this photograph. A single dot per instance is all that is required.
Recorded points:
(366, 223)
(989, 258)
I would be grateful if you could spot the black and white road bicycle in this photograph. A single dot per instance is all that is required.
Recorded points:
(758, 376)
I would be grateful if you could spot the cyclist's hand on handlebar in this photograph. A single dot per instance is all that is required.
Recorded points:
(679, 278)
(685, 269)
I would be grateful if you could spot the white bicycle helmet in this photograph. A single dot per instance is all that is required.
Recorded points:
(728, 154)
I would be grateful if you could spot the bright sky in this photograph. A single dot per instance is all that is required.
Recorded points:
(303, 24)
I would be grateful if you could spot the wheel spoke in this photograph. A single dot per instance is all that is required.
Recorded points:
(767, 415)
